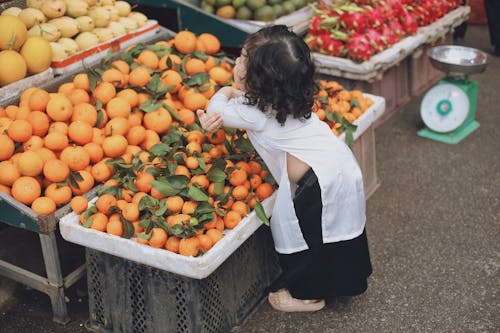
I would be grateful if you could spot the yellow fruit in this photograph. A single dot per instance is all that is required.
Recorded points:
(13, 34)
(12, 11)
(48, 31)
(31, 17)
(37, 53)
(53, 8)
(12, 67)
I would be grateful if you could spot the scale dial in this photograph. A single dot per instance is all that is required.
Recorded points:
(444, 108)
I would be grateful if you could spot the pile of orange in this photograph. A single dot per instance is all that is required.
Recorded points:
(105, 126)
(332, 101)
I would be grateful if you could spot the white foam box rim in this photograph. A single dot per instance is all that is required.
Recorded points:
(193, 267)
(15, 88)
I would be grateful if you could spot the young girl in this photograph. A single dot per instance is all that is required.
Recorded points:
(318, 220)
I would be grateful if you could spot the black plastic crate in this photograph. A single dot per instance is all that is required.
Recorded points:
(128, 297)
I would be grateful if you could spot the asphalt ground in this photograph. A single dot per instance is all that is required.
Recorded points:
(433, 228)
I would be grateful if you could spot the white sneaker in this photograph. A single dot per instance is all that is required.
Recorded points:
(282, 300)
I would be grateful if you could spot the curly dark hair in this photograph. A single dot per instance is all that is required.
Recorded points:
(279, 73)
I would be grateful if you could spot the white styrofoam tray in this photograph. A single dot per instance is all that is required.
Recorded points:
(372, 69)
(193, 267)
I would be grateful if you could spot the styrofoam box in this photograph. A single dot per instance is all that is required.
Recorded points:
(15, 88)
(194, 267)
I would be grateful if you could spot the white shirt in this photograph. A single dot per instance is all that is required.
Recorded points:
(311, 141)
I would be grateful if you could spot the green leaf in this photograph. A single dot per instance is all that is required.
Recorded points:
(177, 229)
(144, 235)
(193, 221)
(173, 113)
(200, 55)
(202, 164)
(159, 149)
(196, 194)
(126, 57)
(161, 209)
(128, 228)
(216, 175)
(355, 103)
(164, 187)
(197, 79)
(179, 182)
(261, 214)
(150, 105)
(218, 187)
(202, 219)
(219, 164)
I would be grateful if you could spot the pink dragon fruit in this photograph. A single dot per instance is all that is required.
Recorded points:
(355, 22)
(358, 47)
(375, 18)
(409, 23)
(376, 40)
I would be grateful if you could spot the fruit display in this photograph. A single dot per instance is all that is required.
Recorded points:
(20, 53)
(258, 10)
(131, 126)
(357, 30)
(71, 26)
(339, 107)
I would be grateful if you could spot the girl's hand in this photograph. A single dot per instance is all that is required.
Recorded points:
(210, 122)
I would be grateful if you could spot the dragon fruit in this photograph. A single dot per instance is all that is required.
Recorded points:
(358, 47)
(409, 23)
(355, 22)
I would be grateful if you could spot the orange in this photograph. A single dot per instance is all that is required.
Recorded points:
(20, 130)
(121, 65)
(66, 88)
(130, 212)
(139, 77)
(113, 76)
(43, 206)
(148, 58)
(178, 219)
(187, 116)
(264, 191)
(114, 145)
(172, 244)
(8, 147)
(104, 202)
(255, 181)
(240, 192)
(193, 147)
(158, 238)
(33, 143)
(210, 42)
(194, 66)
(117, 125)
(38, 100)
(22, 112)
(78, 96)
(95, 151)
(98, 136)
(189, 207)
(174, 203)
(182, 170)
(143, 181)
(231, 219)
(104, 92)
(25, 96)
(39, 122)
(158, 121)
(26, 190)
(206, 242)
(219, 75)
(241, 208)
(30, 164)
(81, 81)
(255, 167)
(152, 138)
(237, 177)
(79, 204)
(5, 189)
(56, 170)
(45, 153)
(130, 96)
(136, 135)
(101, 171)
(9, 173)
(189, 246)
(195, 101)
(59, 108)
(215, 235)
(135, 117)
(207, 89)
(216, 137)
(185, 42)
(58, 126)
(171, 77)
(192, 162)
(118, 107)
(201, 180)
(169, 61)
(115, 227)
(80, 132)
(56, 141)
(60, 194)
(99, 222)
(196, 136)
(75, 157)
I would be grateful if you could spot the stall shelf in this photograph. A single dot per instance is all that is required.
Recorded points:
(231, 32)
(21, 216)
(397, 73)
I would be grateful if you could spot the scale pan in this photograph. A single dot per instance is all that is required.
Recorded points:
(458, 59)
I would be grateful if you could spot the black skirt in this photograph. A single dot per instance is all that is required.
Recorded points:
(324, 270)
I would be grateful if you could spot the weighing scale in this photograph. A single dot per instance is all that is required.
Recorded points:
(448, 109)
